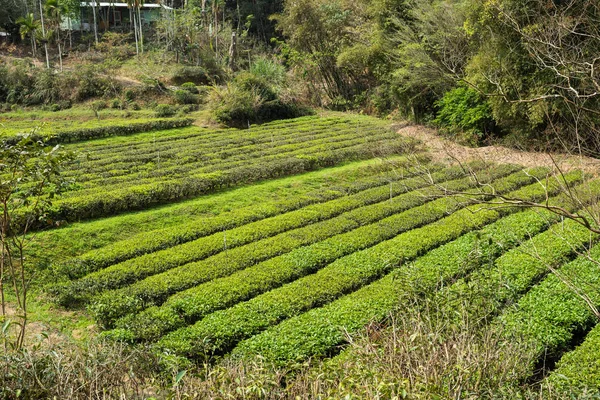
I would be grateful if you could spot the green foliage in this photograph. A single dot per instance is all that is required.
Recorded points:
(464, 111)
(196, 75)
(551, 314)
(190, 87)
(291, 233)
(223, 329)
(108, 130)
(164, 110)
(98, 105)
(187, 230)
(255, 97)
(317, 332)
(128, 184)
(185, 97)
(578, 372)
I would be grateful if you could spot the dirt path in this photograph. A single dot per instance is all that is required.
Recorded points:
(443, 150)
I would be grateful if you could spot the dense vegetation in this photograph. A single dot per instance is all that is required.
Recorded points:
(525, 72)
(220, 234)
(289, 267)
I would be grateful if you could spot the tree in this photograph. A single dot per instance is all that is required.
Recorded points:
(539, 68)
(136, 17)
(29, 179)
(55, 11)
(28, 27)
(45, 35)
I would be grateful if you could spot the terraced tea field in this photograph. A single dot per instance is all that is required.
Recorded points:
(281, 239)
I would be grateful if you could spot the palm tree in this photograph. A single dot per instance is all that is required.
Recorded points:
(28, 27)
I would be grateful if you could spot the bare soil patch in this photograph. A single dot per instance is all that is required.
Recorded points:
(446, 151)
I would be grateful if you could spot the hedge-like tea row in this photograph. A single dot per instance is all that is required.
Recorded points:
(233, 207)
(156, 288)
(193, 304)
(191, 161)
(221, 330)
(128, 198)
(317, 332)
(517, 270)
(185, 170)
(578, 371)
(551, 313)
(78, 135)
(204, 147)
(118, 163)
(221, 137)
(149, 264)
(225, 145)
(160, 239)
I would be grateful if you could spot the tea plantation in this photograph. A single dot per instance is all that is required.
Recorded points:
(282, 239)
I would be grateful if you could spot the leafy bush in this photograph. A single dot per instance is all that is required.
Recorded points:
(188, 108)
(90, 82)
(223, 329)
(197, 75)
(250, 98)
(98, 105)
(190, 87)
(116, 104)
(165, 110)
(185, 97)
(129, 95)
(465, 111)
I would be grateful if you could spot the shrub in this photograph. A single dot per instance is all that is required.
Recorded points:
(91, 83)
(116, 104)
(250, 98)
(185, 97)
(165, 110)
(129, 95)
(464, 111)
(196, 75)
(98, 105)
(190, 87)
(188, 108)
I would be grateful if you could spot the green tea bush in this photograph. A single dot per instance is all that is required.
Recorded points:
(190, 87)
(164, 110)
(152, 292)
(185, 97)
(578, 371)
(83, 134)
(318, 332)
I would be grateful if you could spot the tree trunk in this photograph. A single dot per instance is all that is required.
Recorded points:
(135, 29)
(44, 35)
(59, 53)
(95, 22)
(141, 32)
(233, 51)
